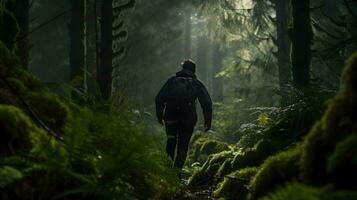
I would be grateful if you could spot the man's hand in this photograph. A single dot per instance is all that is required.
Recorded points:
(207, 126)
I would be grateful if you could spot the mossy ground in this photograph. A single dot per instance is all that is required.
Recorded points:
(323, 158)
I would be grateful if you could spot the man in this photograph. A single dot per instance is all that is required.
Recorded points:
(176, 108)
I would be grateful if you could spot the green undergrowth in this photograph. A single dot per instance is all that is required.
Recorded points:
(110, 153)
(303, 151)
(298, 191)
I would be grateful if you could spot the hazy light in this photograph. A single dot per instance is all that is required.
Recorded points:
(244, 4)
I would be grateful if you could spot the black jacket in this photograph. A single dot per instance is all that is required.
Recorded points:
(167, 113)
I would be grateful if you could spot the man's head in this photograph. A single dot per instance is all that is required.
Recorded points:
(189, 65)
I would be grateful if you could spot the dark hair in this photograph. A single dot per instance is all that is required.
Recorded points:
(189, 65)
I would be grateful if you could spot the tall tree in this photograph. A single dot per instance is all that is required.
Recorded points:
(301, 42)
(106, 54)
(283, 41)
(76, 32)
(111, 47)
(217, 82)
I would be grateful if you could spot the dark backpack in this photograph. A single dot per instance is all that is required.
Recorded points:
(181, 92)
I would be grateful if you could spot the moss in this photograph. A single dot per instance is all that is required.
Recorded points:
(15, 128)
(342, 162)
(7, 59)
(298, 191)
(254, 156)
(275, 171)
(28, 79)
(206, 175)
(17, 85)
(338, 122)
(202, 147)
(7, 97)
(50, 109)
(234, 186)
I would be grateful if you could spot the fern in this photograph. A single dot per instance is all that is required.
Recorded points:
(9, 175)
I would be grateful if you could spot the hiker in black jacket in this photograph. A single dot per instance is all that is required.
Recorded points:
(176, 109)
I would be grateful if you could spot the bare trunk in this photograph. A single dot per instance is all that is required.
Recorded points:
(106, 53)
(76, 32)
(301, 42)
(283, 41)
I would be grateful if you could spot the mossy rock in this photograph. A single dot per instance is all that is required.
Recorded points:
(202, 147)
(338, 123)
(50, 109)
(342, 162)
(235, 185)
(256, 155)
(16, 129)
(206, 175)
(28, 79)
(275, 171)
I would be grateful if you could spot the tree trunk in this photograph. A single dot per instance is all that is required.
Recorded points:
(283, 43)
(112, 48)
(76, 32)
(106, 53)
(301, 42)
(91, 57)
(188, 34)
(217, 82)
(202, 58)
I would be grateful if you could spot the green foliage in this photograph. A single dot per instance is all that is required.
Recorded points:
(16, 129)
(108, 153)
(298, 191)
(275, 171)
(9, 175)
(50, 109)
(234, 185)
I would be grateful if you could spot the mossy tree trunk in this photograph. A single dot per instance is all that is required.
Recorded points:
(217, 82)
(283, 43)
(301, 42)
(112, 48)
(76, 32)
